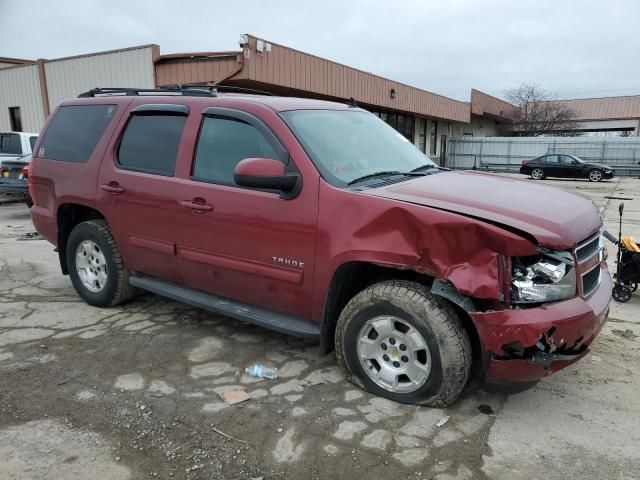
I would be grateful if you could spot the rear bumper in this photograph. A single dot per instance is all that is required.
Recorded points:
(570, 326)
(14, 186)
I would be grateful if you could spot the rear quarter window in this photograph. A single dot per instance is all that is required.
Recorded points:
(75, 131)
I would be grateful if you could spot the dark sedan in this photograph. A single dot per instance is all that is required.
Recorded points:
(565, 166)
(14, 178)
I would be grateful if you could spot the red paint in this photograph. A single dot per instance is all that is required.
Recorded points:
(281, 254)
(260, 167)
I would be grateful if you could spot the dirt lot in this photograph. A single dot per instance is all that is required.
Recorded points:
(132, 392)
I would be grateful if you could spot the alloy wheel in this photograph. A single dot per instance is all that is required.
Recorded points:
(595, 175)
(537, 174)
(91, 266)
(393, 354)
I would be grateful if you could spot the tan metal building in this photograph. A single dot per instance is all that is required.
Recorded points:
(30, 90)
(425, 118)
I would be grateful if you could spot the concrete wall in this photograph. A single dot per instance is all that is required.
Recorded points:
(611, 124)
(68, 77)
(482, 127)
(20, 87)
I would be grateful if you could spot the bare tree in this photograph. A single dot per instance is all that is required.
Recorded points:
(536, 112)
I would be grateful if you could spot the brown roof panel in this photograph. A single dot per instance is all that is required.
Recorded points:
(606, 108)
(484, 104)
(287, 67)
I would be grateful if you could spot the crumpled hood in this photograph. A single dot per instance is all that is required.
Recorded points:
(555, 218)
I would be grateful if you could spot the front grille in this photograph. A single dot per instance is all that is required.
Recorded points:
(591, 280)
(588, 248)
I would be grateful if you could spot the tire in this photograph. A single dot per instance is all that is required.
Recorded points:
(112, 287)
(595, 175)
(404, 305)
(621, 293)
(537, 173)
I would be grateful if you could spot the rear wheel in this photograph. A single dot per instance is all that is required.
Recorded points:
(537, 173)
(595, 175)
(394, 339)
(95, 265)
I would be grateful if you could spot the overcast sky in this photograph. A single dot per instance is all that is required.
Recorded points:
(572, 48)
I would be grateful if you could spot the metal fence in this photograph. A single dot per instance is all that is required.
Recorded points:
(506, 154)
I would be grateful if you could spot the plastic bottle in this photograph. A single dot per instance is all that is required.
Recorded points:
(257, 370)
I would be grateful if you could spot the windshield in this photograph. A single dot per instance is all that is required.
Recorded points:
(347, 145)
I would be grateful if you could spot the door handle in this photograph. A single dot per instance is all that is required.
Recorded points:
(197, 204)
(113, 188)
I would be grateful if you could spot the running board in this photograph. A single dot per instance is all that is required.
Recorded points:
(230, 308)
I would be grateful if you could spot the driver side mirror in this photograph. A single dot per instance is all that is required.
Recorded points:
(575, 162)
(266, 173)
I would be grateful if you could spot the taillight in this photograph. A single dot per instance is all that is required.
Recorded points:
(28, 170)
(524, 162)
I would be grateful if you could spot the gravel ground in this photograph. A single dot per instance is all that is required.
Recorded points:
(133, 392)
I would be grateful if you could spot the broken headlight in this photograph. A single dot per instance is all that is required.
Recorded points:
(542, 279)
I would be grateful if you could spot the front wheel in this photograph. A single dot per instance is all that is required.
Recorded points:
(95, 265)
(396, 340)
(537, 174)
(595, 175)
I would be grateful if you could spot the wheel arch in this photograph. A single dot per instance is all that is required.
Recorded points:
(68, 215)
(350, 278)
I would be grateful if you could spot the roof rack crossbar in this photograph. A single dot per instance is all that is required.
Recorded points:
(188, 89)
(174, 90)
(218, 88)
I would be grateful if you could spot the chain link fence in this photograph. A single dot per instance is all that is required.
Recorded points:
(504, 154)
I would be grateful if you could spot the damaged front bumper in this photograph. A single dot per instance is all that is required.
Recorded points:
(526, 344)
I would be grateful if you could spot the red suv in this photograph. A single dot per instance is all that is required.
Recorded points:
(317, 219)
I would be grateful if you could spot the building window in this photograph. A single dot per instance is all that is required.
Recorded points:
(433, 137)
(409, 128)
(422, 134)
(401, 124)
(392, 120)
(15, 119)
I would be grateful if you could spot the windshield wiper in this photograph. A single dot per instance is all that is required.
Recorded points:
(387, 173)
(373, 175)
(428, 166)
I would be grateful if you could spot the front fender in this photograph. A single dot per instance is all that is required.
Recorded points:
(462, 250)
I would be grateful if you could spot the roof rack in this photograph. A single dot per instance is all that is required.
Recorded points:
(192, 90)
(219, 88)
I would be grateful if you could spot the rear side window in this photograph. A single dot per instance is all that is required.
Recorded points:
(75, 131)
(223, 143)
(150, 143)
(10, 143)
